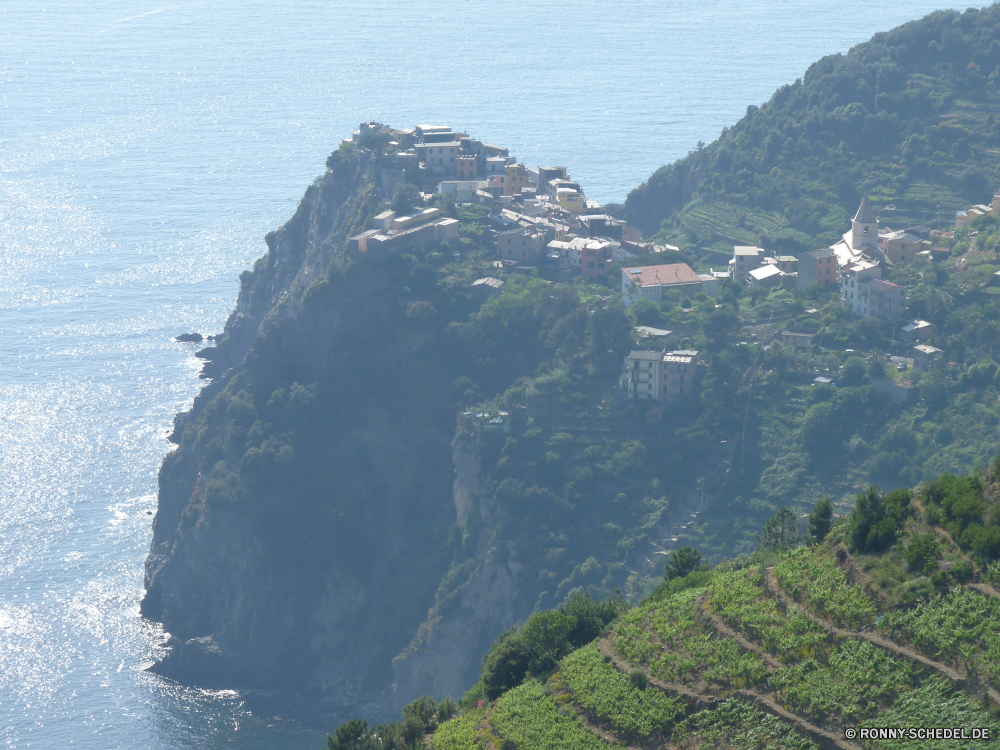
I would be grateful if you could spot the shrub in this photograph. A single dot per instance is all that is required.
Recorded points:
(922, 550)
(638, 678)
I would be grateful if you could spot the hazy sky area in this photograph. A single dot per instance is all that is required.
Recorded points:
(146, 148)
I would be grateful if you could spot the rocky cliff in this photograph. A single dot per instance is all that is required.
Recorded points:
(302, 520)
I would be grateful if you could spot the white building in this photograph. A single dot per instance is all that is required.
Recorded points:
(745, 259)
(865, 294)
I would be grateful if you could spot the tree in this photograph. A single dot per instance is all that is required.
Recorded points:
(821, 519)
(781, 532)
(681, 562)
(505, 666)
(406, 197)
(874, 521)
(419, 718)
(852, 373)
(546, 636)
(922, 551)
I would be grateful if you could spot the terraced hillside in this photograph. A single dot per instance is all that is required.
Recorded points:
(756, 655)
(908, 118)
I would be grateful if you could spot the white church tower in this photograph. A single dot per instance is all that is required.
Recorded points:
(864, 228)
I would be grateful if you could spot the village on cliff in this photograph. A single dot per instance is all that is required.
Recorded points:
(541, 219)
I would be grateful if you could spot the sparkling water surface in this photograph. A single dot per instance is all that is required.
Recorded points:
(145, 149)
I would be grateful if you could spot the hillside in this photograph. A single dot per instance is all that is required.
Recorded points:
(884, 623)
(390, 467)
(908, 118)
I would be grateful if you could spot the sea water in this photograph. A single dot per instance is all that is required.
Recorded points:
(146, 147)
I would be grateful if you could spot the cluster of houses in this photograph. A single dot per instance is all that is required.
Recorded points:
(542, 216)
(856, 263)
(964, 219)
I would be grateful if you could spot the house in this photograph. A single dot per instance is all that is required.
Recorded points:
(765, 276)
(397, 233)
(799, 336)
(661, 376)
(463, 191)
(923, 355)
(466, 166)
(650, 282)
(595, 256)
(710, 283)
(901, 246)
(817, 267)
(487, 286)
(865, 294)
(787, 263)
(965, 218)
(745, 259)
(547, 174)
(918, 330)
(522, 244)
(384, 220)
(439, 157)
(518, 178)
(446, 229)
(851, 276)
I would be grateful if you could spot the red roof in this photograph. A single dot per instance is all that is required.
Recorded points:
(674, 273)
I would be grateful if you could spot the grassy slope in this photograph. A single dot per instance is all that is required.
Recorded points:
(771, 657)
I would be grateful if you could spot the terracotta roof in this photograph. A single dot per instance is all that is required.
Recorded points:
(865, 214)
(673, 273)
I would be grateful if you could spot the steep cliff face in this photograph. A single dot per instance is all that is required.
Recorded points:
(302, 520)
(478, 599)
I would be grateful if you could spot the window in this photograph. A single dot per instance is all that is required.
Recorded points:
(590, 265)
(866, 230)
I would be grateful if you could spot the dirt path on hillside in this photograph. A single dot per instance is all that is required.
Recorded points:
(906, 652)
(742, 640)
(693, 698)
(700, 701)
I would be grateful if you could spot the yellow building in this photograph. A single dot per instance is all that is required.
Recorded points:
(572, 200)
(518, 177)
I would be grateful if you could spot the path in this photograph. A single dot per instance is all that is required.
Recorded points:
(904, 651)
(826, 740)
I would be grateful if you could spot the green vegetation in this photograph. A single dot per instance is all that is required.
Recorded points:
(907, 117)
(738, 598)
(821, 520)
(822, 586)
(682, 562)
(973, 522)
(536, 648)
(781, 532)
(737, 725)
(934, 704)
(687, 650)
(858, 682)
(529, 717)
(961, 626)
(876, 518)
(461, 733)
(598, 687)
